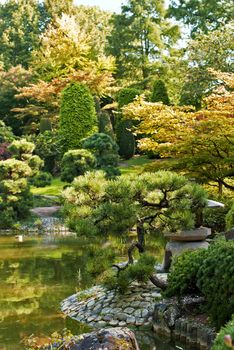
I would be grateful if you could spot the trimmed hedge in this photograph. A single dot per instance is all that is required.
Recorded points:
(159, 93)
(77, 116)
(209, 272)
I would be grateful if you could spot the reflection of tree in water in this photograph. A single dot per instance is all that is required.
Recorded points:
(17, 295)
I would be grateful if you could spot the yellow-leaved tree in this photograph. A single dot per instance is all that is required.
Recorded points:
(201, 143)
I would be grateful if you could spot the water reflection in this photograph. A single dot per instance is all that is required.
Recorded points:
(39, 273)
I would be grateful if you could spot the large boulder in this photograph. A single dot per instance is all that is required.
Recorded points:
(105, 339)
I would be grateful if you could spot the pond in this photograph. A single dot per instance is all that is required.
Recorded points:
(36, 275)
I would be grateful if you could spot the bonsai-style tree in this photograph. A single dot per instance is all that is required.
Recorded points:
(151, 202)
(15, 197)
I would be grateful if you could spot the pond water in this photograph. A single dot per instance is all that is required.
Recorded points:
(36, 275)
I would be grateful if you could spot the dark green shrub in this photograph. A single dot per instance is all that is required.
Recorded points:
(77, 116)
(75, 163)
(183, 272)
(45, 125)
(228, 329)
(41, 179)
(105, 151)
(229, 219)
(126, 96)
(159, 93)
(215, 279)
(125, 138)
(48, 148)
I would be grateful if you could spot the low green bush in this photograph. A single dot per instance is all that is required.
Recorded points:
(215, 279)
(41, 179)
(229, 219)
(183, 272)
(75, 163)
(220, 343)
(209, 272)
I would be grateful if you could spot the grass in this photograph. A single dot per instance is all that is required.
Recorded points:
(54, 189)
(134, 165)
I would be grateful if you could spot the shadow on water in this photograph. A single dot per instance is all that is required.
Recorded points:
(36, 275)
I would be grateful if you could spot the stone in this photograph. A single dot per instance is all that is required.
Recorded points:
(137, 313)
(144, 313)
(131, 320)
(108, 339)
(129, 310)
(91, 303)
(121, 316)
(101, 324)
(230, 235)
(113, 322)
(122, 323)
(135, 303)
(176, 248)
(107, 317)
(197, 234)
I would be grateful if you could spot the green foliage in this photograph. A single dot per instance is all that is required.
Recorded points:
(103, 206)
(220, 343)
(140, 271)
(105, 150)
(45, 125)
(215, 279)
(10, 82)
(6, 134)
(77, 116)
(125, 138)
(126, 96)
(76, 163)
(183, 273)
(230, 218)
(48, 148)
(15, 196)
(41, 179)
(144, 31)
(209, 272)
(19, 31)
(159, 93)
(105, 258)
(201, 15)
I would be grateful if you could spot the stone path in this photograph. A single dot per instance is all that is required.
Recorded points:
(100, 307)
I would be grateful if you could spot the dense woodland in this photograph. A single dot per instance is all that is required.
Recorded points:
(82, 90)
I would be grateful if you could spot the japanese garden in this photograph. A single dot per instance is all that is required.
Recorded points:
(116, 175)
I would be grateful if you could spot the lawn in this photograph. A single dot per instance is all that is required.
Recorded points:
(54, 189)
(134, 165)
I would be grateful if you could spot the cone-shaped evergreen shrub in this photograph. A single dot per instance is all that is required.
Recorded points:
(77, 116)
(125, 138)
(159, 93)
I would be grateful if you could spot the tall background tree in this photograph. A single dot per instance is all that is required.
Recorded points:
(202, 15)
(20, 27)
(140, 33)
